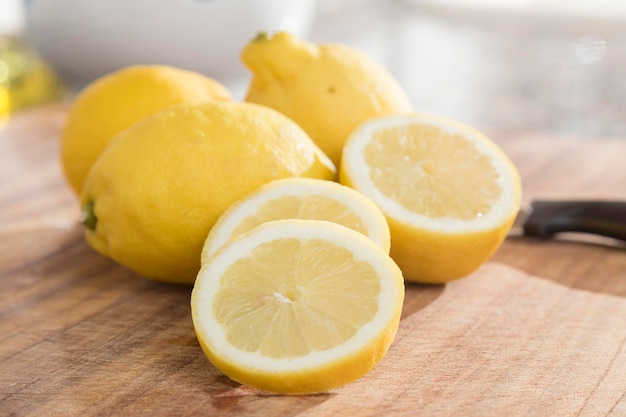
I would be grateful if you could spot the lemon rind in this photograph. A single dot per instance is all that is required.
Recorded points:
(210, 332)
(355, 166)
(363, 207)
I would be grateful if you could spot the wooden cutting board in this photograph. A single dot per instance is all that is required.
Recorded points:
(83, 336)
(539, 331)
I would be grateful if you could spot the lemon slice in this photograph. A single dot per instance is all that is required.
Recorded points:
(297, 306)
(300, 198)
(449, 193)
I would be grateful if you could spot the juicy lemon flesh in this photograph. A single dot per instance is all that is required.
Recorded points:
(432, 172)
(304, 199)
(450, 194)
(297, 306)
(290, 297)
(314, 207)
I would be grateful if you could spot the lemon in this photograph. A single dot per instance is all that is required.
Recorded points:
(154, 193)
(114, 102)
(449, 193)
(297, 306)
(300, 198)
(328, 89)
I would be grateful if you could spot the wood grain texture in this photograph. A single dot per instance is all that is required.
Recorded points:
(33, 192)
(539, 331)
(500, 343)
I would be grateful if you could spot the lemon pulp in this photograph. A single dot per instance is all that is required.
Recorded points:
(432, 172)
(289, 298)
(448, 192)
(299, 198)
(303, 207)
(297, 306)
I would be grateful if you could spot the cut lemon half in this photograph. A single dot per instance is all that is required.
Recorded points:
(300, 198)
(297, 306)
(450, 194)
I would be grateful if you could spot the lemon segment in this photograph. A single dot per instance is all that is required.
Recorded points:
(449, 194)
(297, 306)
(300, 198)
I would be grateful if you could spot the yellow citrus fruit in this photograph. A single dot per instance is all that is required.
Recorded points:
(297, 306)
(154, 193)
(300, 198)
(328, 89)
(114, 102)
(449, 193)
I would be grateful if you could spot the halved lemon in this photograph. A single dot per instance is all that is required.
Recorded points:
(300, 198)
(297, 306)
(449, 193)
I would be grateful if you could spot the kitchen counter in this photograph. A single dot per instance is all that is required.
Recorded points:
(539, 330)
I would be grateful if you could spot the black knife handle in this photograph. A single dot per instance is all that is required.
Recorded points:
(604, 218)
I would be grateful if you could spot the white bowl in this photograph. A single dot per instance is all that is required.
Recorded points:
(85, 39)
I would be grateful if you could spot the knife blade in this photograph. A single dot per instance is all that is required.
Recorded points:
(546, 218)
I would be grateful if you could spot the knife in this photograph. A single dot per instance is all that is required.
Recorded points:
(547, 218)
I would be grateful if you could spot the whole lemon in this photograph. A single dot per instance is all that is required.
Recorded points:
(328, 89)
(154, 193)
(114, 102)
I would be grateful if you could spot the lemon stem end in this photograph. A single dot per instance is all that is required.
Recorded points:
(261, 36)
(87, 216)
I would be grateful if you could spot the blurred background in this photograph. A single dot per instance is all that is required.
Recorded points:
(556, 66)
